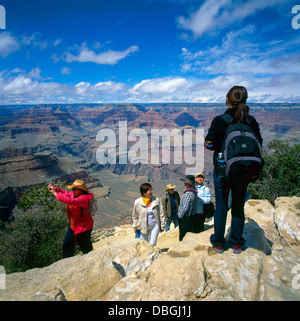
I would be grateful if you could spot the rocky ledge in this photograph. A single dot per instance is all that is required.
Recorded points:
(127, 269)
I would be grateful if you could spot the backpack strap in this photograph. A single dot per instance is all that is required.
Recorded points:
(250, 119)
(227, 118)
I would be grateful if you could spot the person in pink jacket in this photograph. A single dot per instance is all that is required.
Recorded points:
(81, 222)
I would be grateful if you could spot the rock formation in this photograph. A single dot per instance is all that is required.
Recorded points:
(122, 268)
(19, 171)
(152, 119)
(69, 132)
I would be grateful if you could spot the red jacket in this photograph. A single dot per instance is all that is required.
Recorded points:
(74, 205)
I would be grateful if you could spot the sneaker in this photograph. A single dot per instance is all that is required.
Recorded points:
(218, 248)
(236, 249)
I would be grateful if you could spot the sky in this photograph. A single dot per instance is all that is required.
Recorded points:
(148, 51)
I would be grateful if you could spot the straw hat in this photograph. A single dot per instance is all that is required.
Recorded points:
(170, 186)
(79, 184)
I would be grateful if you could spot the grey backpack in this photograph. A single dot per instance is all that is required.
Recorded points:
(242, 152)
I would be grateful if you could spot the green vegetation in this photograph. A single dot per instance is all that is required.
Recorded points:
(34, 239)
(281, 172)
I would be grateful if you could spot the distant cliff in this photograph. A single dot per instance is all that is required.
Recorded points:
(127, 269)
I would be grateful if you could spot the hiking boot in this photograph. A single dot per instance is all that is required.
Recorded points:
(236, 249)
(218, 248)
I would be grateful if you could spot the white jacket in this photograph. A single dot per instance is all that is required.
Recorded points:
(139, 214)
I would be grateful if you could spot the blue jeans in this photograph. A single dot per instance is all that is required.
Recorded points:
(171, 219)
(82, 239)
(238, 192)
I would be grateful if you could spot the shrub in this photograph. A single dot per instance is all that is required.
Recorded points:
(281, 172)
(34, 239)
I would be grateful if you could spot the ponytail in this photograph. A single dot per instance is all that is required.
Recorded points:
(237, 96)
(242, 114)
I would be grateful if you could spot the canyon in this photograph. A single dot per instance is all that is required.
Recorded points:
(46, 143)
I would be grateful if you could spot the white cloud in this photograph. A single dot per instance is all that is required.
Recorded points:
(203, 19)
(31, 88)
(65, 71)
(166, 85)
(250, 57)
(17, 70)
(219, 14)
(35, 74)
(248, 8)
(82, 87)
(108, 87)
(109, 57)
(34, 40)
(18, 85)
(8, 44)
(57, 42)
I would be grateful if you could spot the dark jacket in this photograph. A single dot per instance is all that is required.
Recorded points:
(188, 203)
(166, 203)
(216, 132)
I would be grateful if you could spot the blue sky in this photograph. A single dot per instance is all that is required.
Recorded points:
(148, 51)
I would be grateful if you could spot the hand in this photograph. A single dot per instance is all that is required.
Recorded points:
(51, 189)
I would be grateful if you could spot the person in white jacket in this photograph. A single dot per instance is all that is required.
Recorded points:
(204, 197)
(147, 215)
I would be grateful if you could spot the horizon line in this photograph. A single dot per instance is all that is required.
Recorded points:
(147, 103)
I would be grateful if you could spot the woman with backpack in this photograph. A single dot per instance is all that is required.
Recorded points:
(81, 222)
(238, 113)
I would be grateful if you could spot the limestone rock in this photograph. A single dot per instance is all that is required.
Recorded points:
(122, 268)
(262, 212)
(81, 278)
(191, 270)
(280, 275)
(287, 219)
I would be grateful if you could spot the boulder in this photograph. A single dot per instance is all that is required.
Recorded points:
(122, 268)
(83, 277)
(287, 219)
(191, 270)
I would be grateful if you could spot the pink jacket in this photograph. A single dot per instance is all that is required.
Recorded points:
(79, 223)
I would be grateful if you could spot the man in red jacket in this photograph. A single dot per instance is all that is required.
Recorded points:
(81, 222)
